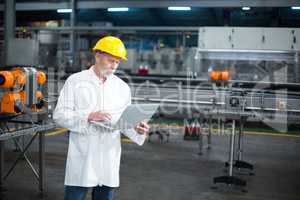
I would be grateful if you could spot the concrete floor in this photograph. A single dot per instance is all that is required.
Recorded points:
(175, 171)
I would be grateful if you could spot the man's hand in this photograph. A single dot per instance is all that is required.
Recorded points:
(142, 128)
(99, 116)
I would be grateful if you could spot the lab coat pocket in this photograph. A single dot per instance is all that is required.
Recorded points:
(81, 144)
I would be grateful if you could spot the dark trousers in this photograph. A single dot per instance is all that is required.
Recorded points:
(79, 193)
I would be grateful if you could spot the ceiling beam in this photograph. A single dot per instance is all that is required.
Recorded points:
(24, 6)
(113, 28)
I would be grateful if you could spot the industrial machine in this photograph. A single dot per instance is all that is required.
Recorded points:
(234, 81)
(24, 102)
(21, 91)
(23, 112)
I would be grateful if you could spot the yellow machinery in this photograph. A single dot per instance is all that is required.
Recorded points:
(20, 90)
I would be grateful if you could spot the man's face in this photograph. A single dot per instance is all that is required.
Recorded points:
(107, 64)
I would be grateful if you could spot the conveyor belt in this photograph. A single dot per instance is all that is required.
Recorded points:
(201, 81)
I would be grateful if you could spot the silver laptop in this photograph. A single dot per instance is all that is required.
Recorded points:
(132, 115)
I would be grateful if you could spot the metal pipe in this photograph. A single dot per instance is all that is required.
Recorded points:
(114, 28)
(2, 143)
(72, 35)
(41, 161)
(21, 147)
(209, 132)
(175, 101)
(297, 67)
(240, 140)
(9, 26)
(232, 148)
(19, 157)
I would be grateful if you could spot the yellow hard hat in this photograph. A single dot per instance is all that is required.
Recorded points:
(111, 45)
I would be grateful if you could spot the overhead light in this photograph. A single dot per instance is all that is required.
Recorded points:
(296, 7)
(179, 8)
(65, 10)
(117, 9)
(246, 8)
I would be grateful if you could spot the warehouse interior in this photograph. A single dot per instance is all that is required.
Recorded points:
(225, 75)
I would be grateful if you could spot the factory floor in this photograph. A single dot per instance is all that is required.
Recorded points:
(175, 171)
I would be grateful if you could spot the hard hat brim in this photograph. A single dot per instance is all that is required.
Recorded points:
(95, 50)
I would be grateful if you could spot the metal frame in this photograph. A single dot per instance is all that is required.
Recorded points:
(230, 179)
(179, 29)
(149, 4)
(38, 132)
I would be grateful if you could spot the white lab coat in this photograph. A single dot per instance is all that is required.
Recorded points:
(94, 153)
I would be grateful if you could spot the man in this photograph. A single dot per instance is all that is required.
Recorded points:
(95, 94)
